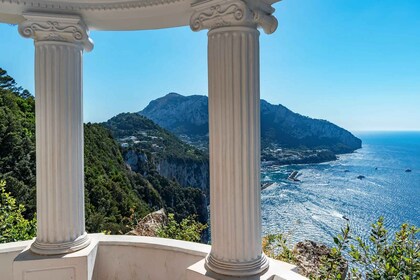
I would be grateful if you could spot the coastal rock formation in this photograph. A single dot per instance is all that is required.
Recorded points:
(135, 161)
(279, 156)
(187, 116)
(180, 171)
(149, 225)
(186, 173)
(308, 256)
(147, 147)
(283, 127)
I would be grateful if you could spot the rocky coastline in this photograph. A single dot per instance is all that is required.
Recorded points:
(286, 137)
(276, 155)
(280, 156)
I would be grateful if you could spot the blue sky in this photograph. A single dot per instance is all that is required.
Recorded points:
(355, 63)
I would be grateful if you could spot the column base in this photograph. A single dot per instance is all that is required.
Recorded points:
(77, 265)
(237, 269)
(277, 270)
(60, 248)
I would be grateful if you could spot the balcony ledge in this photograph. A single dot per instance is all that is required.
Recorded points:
(138, 257)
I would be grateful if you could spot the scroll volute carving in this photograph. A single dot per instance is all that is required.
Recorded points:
(213, 14)
(70, 29)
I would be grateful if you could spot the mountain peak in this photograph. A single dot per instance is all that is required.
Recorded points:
(185, 114)
(188, 116)
(173, 94)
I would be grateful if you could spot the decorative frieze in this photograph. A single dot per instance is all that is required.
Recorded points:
(89, 5)
(63, 28)
(214, 14)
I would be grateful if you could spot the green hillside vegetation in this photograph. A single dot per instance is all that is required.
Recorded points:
(154, 143)
(17, 141)
(113, 193)
(109, 194)
(151, 137)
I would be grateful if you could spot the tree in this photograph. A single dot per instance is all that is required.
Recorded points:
(17, 143)
(6, 81)
(9, 83)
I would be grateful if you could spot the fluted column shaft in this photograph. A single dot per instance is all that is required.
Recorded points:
(234, 126)
(59, 133)
(59, 146)
(234, 112)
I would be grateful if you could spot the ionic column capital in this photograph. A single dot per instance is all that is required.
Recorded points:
(212, 14)
(56, 28)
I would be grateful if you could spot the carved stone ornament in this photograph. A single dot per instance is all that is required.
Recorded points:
(212, 14)
(90, 5)
(59, 28)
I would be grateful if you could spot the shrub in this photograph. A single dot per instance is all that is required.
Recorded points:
(13, 226)
(380, 258)
(385, 258)
(331, 264)
(275, 246)
(189, 229)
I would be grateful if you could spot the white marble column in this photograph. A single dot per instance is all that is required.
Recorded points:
(59, 44)
(234, 120)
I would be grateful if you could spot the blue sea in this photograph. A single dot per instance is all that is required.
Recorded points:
(329, 195)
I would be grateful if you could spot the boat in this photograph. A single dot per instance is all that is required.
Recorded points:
(266, 185)
(293, 176)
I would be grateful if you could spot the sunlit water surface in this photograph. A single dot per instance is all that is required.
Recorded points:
(330, 195)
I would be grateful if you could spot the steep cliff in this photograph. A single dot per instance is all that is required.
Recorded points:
(186, 173)
(149, 149)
